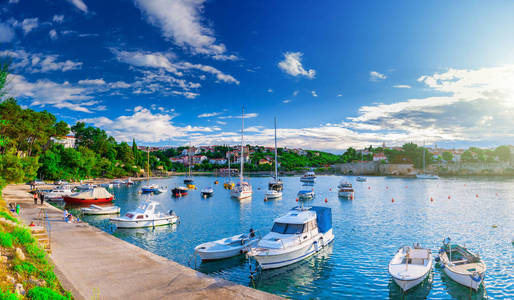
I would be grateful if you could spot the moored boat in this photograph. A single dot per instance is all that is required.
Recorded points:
(92, 196)
(461, 265)
(308, 177)
(361, 179)
(145, 216)
(306, 195)
(243, 189)
(207, 192)
(58, 193)
(410, 266)
(227, 247)
(275, 186)
(100, 210)
(273, 194)
(179, 191)
(345, 190)
(298, 234)
(153, 188)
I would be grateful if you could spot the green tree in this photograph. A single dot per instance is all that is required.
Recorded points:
(447, 156)
(503, 153)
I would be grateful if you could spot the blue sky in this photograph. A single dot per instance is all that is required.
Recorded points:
(336, 73)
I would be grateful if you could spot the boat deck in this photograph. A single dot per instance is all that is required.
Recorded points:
(469, 268)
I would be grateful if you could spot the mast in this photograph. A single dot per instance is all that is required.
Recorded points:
(423, 157)
(189, 160)
(148, 165)
(229, 177)
(242, 149)
(276, 156)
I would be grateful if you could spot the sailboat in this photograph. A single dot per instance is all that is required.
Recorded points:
(242, 189)
(189, 179)
(150, 188)
(275, 186)
(424, 175)
(228, 185)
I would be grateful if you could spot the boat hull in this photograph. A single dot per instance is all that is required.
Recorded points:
(284, 259)
(406, 285)
(348, 195)
(307, 180)
(240, 195)
(464, 279)
(72, 200)
(144, 223)
(206, 255)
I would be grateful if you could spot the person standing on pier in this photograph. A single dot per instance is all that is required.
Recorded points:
(42, 198)
(35, 198)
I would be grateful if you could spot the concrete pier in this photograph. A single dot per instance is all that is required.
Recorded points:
(95, 265)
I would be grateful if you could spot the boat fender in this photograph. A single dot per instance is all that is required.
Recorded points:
(437, 259)
(475, 277)
(442, 266)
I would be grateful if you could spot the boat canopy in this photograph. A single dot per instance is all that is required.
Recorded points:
(296, 215)
(323, 217)
(94, 193)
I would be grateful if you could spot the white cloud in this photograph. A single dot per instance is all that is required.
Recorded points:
(28, 24)
(220, 76)
(292, 65)
(119, 85)
(221, 122)
(38, 62)
(314, 94)
(53, 34)
(181, 21)
(339, 95)
(402, 86)
(6, 33)
(99, 81)
(295, 93)
(286, 101)
(58, 18)
(188, 95)
(208, 115)
(247, 116)
(270, 91)
(79, 4)
(375, 76)
(45, 92)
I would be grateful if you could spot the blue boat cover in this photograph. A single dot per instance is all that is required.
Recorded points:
(323, 218)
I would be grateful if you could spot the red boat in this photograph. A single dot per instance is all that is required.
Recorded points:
(179, 191)
(92, 196)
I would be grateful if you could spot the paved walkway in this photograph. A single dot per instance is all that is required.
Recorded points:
(95, 265)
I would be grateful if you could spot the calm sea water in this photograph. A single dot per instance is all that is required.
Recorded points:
(478, 213)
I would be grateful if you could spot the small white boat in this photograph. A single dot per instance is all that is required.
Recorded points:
(273, 194)
(107, 185)
(241, 190)
(361, 179)
(306, 194)
(58, 193)
(462, 265)
(145, 216)
(295, 236)
(410, 266)
(345, 190)
(309, 177)
(207, 192)
(227, 247)
(100, 210)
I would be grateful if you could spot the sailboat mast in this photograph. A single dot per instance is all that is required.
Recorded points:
(276, 156)
(229, 177)
(423, 157)
(189, 160)
(242, 149)
(148, 165)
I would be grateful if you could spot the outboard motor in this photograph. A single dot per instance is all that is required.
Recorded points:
(171, 212)
(252, 233)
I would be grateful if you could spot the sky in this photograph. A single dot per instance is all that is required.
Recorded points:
(335, 74)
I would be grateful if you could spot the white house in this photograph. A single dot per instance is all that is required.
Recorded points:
(218, 161)
(67, 141)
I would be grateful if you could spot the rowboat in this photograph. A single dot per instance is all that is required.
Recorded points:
(227, 247)
(410, 266)
(100, 210)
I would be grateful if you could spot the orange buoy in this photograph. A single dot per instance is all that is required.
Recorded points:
(326, 200)
(449, 197)
(392, 200)
(265, 199)
(387, 187)
(296, 199)
(406, 186)
(369, 188)
(476, 195)
(431, 199)
(330, 189)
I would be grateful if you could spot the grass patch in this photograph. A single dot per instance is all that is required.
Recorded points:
(43, 293)
(7, 295)
(5, 239)
(8, 216)
(34, 251)
(25, 268)
(22, 236)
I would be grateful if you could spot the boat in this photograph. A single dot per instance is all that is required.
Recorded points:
(227, 247)
(145, 216)
(100, 210)
(295, 236)
(228, 185)
(242, 189)
(306, 195)
(118, 182)
(150, 188)
(308, 177)
(425, 175)
(92, 196)
(345, 190)
(410, 266)
(129, 181)
(361, 179)
(461, 265)
(58, 193)
(189, 179)
(207, 192)
(179, 191)
(107, 185)
(85, 187)
(275, 186)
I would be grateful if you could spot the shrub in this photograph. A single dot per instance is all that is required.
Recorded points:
(7, 295)
(22, 236)
(8, 216)
(5, 240)
(25, 268)
(43, 293)
(36, 252)
(49, 276)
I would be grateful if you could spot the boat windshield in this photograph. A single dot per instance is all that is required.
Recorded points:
(283, 228)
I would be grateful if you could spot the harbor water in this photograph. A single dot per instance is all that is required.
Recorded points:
(387, 213)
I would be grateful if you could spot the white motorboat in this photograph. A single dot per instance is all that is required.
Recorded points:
(242, 189)
(410, 266)
(345, 190)
(306, 195)
(308, 177)
(85, 187)
(227, 247)
(145, 216)
(100, 210)
(361, 179)
(207, 192)
(273, 194)
(462, 265)
(58, 193)
(298, 234)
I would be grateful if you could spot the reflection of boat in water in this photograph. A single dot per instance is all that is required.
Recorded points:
(141, 232)
(421, 291)
(100, 210)
(302, 273)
